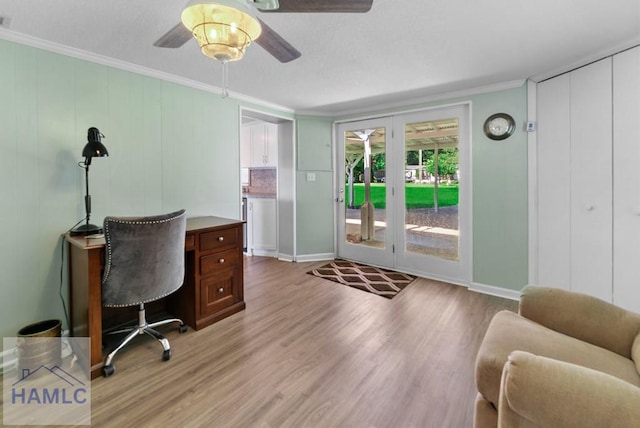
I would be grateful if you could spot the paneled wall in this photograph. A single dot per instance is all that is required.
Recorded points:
(170, 147)
(315, 203)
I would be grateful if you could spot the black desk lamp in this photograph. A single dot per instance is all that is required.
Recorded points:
(94, 148)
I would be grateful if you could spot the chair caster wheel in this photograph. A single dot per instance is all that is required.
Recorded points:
(108, 370)
(166, 355)
(183, 328)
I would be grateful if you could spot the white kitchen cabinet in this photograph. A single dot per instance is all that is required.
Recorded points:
(262, 227)
(263, 139)
(588, 180)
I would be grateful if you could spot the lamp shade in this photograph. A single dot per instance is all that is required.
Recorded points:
(223, 28)
(94, 147)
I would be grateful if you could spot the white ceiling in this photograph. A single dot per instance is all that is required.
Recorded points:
(400, 50)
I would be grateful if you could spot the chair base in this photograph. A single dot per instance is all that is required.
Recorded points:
(143, 327)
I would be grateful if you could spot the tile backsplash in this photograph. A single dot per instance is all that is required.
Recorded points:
(263, 180)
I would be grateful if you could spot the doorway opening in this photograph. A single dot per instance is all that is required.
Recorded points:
(267, 181)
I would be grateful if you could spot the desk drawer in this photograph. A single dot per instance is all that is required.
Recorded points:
(219, 261)
(218, 292)
(219, 238)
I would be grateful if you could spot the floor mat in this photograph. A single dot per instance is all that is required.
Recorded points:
(383, 282)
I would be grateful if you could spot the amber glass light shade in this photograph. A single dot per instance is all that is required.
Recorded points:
(223, 28)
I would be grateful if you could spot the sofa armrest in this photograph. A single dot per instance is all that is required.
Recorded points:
(542, 392)
(581, 316)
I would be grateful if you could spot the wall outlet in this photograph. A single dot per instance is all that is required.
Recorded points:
(311, 176)
(531, 126)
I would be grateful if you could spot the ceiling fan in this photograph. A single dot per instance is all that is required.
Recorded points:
(270, 40)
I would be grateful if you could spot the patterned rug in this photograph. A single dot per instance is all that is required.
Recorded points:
(383, 282)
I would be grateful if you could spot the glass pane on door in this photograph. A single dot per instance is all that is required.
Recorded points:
(365, 219)
(431, 188)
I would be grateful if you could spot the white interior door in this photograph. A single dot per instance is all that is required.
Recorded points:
(553, 154)
(574, 181)
(626, 179)
(591, 182)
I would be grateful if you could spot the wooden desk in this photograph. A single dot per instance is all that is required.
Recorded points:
(213, 286)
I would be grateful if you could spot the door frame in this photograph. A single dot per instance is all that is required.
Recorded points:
(286, 223)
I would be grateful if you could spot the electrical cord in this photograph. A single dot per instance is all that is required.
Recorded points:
(83, 165)
(64, 303)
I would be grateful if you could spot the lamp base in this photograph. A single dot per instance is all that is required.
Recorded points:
(86, 229)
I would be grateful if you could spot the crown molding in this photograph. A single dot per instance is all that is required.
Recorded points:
(404, 103)
(594, 57)
(58, 48)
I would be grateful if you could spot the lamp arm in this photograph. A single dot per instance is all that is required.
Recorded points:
(87, 196)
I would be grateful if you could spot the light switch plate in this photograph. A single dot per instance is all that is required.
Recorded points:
(311, 176)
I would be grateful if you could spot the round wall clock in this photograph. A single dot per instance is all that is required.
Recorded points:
(499, 126)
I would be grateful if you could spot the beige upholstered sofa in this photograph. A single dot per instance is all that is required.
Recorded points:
(565, 360)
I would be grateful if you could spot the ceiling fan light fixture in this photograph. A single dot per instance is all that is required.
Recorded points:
(266, 4)
(222, 28)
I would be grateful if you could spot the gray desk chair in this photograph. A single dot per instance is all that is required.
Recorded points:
(144, 262)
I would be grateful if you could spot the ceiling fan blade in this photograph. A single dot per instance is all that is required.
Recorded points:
(327, 6)
(273, 43)
(174, 38)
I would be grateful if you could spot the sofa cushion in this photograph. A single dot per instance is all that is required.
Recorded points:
(543, 392)
(509, 332)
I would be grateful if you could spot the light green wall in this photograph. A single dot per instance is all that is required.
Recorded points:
(499, 169)
(500, 198)
(314, 199)
(170, 147)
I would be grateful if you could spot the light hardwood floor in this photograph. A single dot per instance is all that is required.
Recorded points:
(308, 352)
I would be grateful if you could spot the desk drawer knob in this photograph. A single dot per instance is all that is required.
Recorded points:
(220, 261)
(220, 238)
(221, 290)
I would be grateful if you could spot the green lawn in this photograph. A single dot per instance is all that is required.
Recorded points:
(417, 195)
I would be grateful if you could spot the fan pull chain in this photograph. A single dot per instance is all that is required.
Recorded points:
(225, 79)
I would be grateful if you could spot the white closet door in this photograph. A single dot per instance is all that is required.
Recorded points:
(591, 180)
(626, 179)
(553, 169)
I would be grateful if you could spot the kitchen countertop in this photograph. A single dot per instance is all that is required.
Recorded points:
(258, 195)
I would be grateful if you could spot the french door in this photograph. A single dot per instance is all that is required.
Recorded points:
(362, 197)
(403, 192)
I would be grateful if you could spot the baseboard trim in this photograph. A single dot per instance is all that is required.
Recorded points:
(8, 361)
(495, 291)
(264, 253)
(285, 257)
(315, 257)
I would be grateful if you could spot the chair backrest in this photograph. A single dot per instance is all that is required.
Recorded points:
(144, 258)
